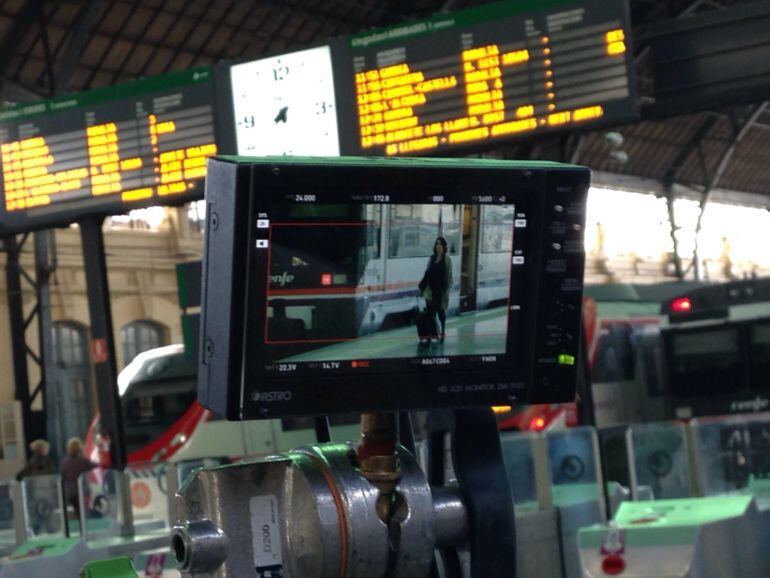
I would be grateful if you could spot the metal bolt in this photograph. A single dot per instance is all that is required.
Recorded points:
(199, 547)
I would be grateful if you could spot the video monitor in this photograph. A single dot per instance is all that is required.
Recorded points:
(350, 285)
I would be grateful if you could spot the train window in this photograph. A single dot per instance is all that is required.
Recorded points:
(373, 217)
(413, 230)
(707, 360)
(450, 227)
(496, 228)
(760, 355)
(615, 353)
(140, 336)
(150, 408)
(649, 343)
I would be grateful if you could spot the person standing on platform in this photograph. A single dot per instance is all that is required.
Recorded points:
(40, 463)
(437, 282)
(72, 466)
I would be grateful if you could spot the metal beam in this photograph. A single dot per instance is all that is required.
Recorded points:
(307, 20)
(12, 91)
(42, 21)
(157, 47)
(671, 172)
(198, 53)
(81, 34)
(284, 18)
(192, 30)
(257, 32)
(222, 54)
(49, 384)
(63, 39)
(103, 337)
(672, 231)
(741, 130)
(115, 38)
(18, 327)
(22, 23)
(135, 43)
(331, 16)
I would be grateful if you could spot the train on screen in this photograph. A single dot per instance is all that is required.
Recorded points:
(646, 347)
(352, 270)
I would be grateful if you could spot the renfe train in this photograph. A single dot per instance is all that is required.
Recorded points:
(669, 351)
(164, 422)
(342, 271)
(674, 350)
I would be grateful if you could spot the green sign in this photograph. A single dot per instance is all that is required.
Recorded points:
(107, 94)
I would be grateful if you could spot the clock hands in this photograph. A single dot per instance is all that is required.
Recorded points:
(281, 116)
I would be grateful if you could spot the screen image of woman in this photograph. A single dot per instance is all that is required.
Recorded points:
(437, 282)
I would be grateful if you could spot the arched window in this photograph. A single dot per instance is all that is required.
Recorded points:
(70, 344)
(139, 336)
(69, 393)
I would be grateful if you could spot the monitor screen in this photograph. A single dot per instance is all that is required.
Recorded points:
(367, 287)
(376, 284)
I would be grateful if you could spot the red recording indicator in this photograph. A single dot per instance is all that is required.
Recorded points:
(681, 305)
(326, 279)
(357, 364)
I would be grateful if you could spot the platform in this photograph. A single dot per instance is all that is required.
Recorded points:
(473, 333)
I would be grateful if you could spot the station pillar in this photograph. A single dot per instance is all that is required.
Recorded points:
(102, 338)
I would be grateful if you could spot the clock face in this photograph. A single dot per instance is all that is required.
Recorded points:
(284, 105)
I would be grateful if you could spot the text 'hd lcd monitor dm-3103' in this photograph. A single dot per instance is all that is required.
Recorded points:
(352, 284)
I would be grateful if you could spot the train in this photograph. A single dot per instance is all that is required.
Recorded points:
(676, 350)
(639, 370)
(344, 271)
(163, 421)
(667, 350)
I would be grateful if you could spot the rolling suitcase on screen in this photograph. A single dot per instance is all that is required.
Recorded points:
(428, 325)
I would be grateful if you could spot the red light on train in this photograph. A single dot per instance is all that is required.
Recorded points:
(537, 423)
(681, 305)
(613, 565)
(326, 279)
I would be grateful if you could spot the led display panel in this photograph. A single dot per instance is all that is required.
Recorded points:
(494, 72)
(285, 105)
(106, 151)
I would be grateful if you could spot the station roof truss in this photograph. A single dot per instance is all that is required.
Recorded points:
(53, 47)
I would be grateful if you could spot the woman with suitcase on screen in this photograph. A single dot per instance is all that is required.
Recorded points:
(434, 288)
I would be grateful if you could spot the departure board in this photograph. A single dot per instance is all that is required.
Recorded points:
(106, 151)
(492, 72)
